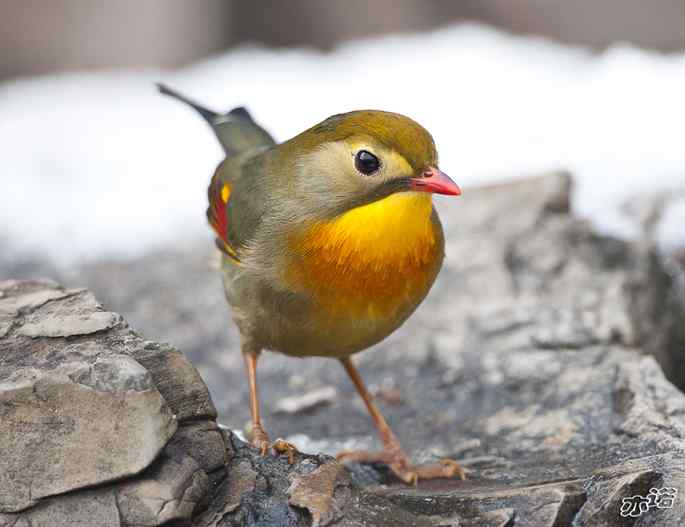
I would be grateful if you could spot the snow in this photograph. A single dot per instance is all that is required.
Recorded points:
(99, 165)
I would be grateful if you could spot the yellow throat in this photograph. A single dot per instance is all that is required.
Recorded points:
(372, 260)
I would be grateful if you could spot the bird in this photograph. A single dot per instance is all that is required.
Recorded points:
(329, 241)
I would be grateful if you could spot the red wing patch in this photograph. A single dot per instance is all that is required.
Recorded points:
(219, 193)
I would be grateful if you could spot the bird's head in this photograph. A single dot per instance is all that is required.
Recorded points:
(354, 159)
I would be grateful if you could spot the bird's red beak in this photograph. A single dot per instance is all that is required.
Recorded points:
(435, 181)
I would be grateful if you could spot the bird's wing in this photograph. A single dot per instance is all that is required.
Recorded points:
(236, 198)
(236, 202)
(218, 194)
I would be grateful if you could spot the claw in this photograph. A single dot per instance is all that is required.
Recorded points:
(281, 446)
(260, 440)
(452, 468)
(261, 445)
(399, 464)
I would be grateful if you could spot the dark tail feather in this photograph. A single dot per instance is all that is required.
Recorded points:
(236, 130)
(206, 113)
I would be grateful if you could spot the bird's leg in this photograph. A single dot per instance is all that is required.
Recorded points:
(392, 454)
(259, 438)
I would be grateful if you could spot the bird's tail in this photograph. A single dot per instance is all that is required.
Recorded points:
(235, 130)
(208, 115)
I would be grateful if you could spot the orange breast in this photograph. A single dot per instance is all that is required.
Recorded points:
(372, 263)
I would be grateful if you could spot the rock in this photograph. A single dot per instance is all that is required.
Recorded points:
(81, 509)
(536, 361)
(324, 492)
(169, 491)
(204, 441)
(178, 381)
(85, 402)
(314, 491)
(306, 401)
(573, 464)
(57, 415)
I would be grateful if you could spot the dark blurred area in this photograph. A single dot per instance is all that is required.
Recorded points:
(38, 36)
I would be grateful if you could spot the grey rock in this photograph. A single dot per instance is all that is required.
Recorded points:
(324, 492)
(314, 491)
(88, 508)
(605, 427)
(117, 373)
(88, 404)
(169, 491)
(6, 322)
(78, 435)
(177, 380)
(306, 401)
(25, 297)
(607, 488)
(536, 360)
(71, 316)
(59, 326)
(203, 441)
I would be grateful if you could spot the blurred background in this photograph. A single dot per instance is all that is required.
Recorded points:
(39, 37)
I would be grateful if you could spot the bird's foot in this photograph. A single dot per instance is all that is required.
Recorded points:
(260, 440)
(281, 446)
(399, 464)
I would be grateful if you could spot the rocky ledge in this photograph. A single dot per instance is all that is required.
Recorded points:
(97, 426)
(538, 360)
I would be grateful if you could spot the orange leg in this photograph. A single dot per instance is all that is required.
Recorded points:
(392, 453)
(259, 438)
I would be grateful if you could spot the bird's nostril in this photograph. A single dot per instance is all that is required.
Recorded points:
(429, 172)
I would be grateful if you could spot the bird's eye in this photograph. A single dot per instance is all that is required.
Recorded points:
(366, 162)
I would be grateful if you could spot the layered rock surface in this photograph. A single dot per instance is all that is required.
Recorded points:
(535, 360)
(97, 426)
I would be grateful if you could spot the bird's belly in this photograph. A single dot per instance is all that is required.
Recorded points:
(347, 324)
(352, 307)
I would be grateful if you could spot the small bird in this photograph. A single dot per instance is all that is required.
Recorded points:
(329, 242)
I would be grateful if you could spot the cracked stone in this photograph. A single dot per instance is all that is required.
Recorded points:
(541, 347)
(60, 422)
(169, 491)
(68, 325)
(316, 492)
(91, 410)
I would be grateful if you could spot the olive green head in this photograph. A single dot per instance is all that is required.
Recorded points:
(355, 158)
(398, 134)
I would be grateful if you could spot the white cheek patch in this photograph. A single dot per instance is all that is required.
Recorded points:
(330, 168)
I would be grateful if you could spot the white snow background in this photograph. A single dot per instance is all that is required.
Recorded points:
(99, 165)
